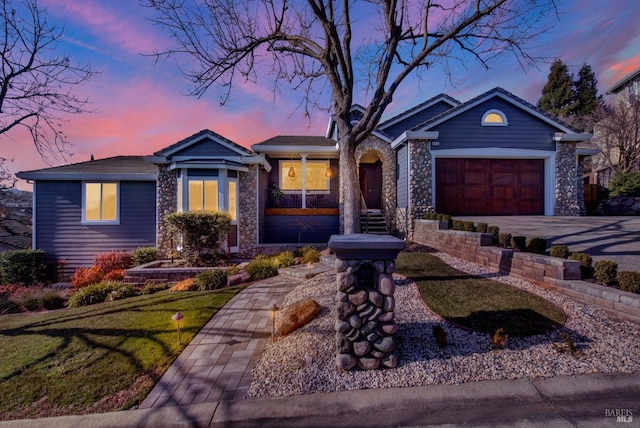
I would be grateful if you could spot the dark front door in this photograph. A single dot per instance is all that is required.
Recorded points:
(490, 186)
(371, 184)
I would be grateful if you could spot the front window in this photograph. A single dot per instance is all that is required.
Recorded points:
(100, 202)
(315, 175)
(233, 200)
(203, 195)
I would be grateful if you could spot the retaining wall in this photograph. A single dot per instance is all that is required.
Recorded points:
(556, 274)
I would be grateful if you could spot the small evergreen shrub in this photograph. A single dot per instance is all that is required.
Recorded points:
(200, 233)
(23, 267)
(560, 251)
(625, 184)
(309, 254)
(495, 232)
(468, 226)
(482, 227)
(445, 217)
(144, 255)
(458, 225)
(537, 245)
(210, 280)
(153, 287)
(261, 267)
(439, 217)
(519, 243)
(93, 294)
(629, 281)
(605, 271)
(86, 276)
(285, 259)
(586, 262)
(127, 290)
(504, 239)
(113, 260)
(430, 216)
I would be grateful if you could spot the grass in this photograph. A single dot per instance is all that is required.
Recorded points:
(477, 303)
(95, 358)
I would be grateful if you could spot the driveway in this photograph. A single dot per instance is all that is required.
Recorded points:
(604, 238)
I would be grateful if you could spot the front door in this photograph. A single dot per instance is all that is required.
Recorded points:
(371, 184)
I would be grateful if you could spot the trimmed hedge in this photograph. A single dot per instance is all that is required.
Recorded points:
(144, 255)
(519, 243)
(629, 281)
(605, 271)
(200, 233)
(586, 262)
(560, 251)
(25, 267)
(537, 245)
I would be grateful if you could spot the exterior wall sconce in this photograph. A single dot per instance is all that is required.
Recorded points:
(292, 172)
(328, 173)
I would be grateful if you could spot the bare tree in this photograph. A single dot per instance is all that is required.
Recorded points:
(35, 81)
(617, 134)
(357, 47)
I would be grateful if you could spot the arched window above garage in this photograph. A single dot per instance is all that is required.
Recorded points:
(494, 118)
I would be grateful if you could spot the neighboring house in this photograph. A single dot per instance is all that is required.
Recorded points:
(15, 220)
(495, 154)
(601, 171)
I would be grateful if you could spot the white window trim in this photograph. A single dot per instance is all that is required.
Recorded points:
(327, 164)
(505, 122)
(100, 222)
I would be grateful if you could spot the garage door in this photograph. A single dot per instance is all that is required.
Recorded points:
(490, 186)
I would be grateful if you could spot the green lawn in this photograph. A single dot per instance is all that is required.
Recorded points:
(478, 303)
(101, 357)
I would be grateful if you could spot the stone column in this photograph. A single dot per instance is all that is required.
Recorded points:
(166, 195)
(365, 302)
(567, 199)
(248, 217)
(420, 183)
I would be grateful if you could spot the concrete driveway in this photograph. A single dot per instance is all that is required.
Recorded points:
(604, 238)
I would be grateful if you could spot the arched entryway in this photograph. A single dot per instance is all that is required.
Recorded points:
(370, 171)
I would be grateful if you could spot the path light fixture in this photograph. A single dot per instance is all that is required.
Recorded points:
(274, 312)
(177, 317)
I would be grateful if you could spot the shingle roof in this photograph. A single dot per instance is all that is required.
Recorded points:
(297, 140)
(112, 165)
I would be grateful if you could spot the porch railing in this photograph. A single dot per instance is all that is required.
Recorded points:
(294, 200)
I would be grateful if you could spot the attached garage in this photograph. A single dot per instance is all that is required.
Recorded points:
(483, 186)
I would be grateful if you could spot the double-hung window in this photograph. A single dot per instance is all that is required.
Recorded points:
(100, 202)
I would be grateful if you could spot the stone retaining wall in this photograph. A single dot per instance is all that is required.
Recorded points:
(553, 273)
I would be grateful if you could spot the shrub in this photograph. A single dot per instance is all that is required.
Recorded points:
(629, 281)
(430, 216)
(309, 254)
(210, 280)
(93, 294)
(199, 232)
(113, 260)
(605, 271)
(86, 276)
(445, 217)
(439, 217)
(23, 267)
(560, 251)
(519, 243)
(625, 184)
(154, 287)
(482, 227)
(537, 245)
(184, 285)
(457, 224)
(468, 226)
(504, 239)
(495, 232)
(586, 269)
(144, 255)
(114, 275)
(261, 267)
(285, 259)
(127, 290)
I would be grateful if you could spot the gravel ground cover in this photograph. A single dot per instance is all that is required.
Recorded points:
(304, 361)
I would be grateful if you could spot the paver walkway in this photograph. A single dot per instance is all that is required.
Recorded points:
(216, 365)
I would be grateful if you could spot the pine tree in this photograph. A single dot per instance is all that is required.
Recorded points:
(558, 95)
(587, 99)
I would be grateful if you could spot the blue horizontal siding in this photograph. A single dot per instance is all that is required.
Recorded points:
(206, 147)
(60, 233)
(416, 119)
(524, 131)
(308, 229)
(403, 177)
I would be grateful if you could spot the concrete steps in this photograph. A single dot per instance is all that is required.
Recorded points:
(372, 221)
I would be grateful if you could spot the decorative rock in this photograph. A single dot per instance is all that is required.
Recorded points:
(344, 310)
(390, 361)
(343, 345)
(297, 315)
(355, 321)
(377, 354)
(345, 280)
(387, 317)
(376, 298)
(386, 344)
(353, 335)
(372, 337)
(346, 361)
(342, 326)
(375, 314)
(341, 265)
(361, 348)
(368, 327)
(389, 304)
(391, 267)
(379, 266)
(390, 328)
(386, 285)
(358, 298)
(342, 297)
(367, 312)
(368, 363)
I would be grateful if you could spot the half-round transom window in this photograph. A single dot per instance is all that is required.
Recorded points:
(494, 118)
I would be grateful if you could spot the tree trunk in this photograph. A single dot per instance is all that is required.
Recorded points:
(349, 188)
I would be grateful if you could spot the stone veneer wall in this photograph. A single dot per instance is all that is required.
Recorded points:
(567, 181)
(248, 218)
(166, 203)
(387, 156)
(420, 186)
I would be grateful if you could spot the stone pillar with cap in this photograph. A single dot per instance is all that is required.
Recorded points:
(365, 303)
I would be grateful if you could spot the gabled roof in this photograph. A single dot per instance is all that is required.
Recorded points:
(112, 168)
(504, 95)
(620, 84)
(199, 136)
(422, 106)
(295, 140)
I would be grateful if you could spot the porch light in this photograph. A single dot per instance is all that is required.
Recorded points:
(292, 172)
(328, 173)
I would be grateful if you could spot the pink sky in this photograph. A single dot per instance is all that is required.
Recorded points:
(141, 107)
